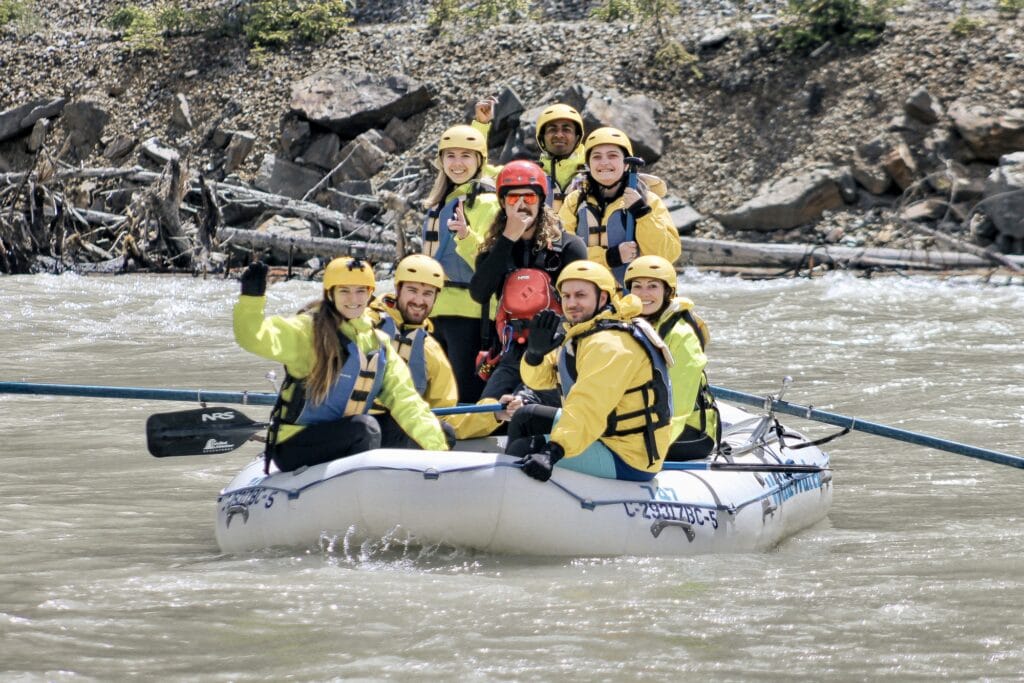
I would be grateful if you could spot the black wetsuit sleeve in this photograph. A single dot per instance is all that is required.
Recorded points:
(491, 268)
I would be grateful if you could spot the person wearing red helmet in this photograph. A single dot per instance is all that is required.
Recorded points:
(524, 251)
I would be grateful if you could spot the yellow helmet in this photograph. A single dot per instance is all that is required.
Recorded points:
(346, 270)
(591, 272)
(554, 113)
(464, 137)
(652, 266)
(419, 268)
(607, 136)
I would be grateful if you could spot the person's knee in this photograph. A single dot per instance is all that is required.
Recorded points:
(370, 428)
(449, 434)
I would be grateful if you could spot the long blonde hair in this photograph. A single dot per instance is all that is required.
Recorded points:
(327, 349)
(548, 230)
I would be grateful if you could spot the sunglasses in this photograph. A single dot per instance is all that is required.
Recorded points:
(530, 198)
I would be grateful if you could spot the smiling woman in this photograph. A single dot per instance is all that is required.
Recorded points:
(337, 365)
(617, 215)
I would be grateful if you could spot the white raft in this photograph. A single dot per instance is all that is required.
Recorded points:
(481, 500)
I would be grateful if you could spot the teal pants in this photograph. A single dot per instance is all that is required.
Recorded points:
(600, 461)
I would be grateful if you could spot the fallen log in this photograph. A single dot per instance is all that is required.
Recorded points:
(708, 252)
(226, 193)
(304, 248)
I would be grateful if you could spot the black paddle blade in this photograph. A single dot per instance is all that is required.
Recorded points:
(203, 431)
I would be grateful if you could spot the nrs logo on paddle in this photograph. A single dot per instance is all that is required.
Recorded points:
(213, 417)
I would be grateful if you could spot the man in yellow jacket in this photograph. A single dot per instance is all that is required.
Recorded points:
(337, 366)
(559, 132)
(404, 316)
(612, 370)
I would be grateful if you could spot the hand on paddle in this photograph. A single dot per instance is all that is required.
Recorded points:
(544, 336)
(539, 465)
(254, 279)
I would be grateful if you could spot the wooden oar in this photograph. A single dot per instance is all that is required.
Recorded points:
(206, 431)
(812, 413)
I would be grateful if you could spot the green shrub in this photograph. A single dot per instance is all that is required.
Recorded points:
(965, 25)
(812, 23)
(274, 23)
(1010, 8)
(478, 12)
(672, 56)
(656, 13)
(14, 11)
(138, 27)
(615, 10)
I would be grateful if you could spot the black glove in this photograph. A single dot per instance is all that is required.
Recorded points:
(254, 279)
(539, 465)
(613, 256)
(543, 337)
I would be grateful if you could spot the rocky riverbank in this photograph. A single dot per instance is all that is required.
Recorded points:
(847, 146)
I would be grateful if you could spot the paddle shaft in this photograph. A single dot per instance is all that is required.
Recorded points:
(699, 466)
(188, 395)
(812, 413)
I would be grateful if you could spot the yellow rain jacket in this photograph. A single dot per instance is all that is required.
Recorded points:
(655, 232)
(290, 341)
(607, 364)
(456, 301)
(442, 390)
(475, 425)
(687, 373)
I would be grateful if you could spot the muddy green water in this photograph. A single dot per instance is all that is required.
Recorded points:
(109, 569)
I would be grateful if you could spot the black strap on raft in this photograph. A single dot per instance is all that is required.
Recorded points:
(780, 430)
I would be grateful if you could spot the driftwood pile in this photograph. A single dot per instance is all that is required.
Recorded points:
(171, 221)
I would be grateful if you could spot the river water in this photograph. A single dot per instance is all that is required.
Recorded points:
(109, 569)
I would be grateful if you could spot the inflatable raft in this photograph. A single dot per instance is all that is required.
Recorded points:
(751, 499)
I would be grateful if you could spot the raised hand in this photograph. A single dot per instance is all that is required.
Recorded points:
(457, 223)
(254, 279)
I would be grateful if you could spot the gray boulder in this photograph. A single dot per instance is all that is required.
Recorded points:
(787, 202)
(20, 120)
(989, 135)
(280, 176)
(350, 103)
(1004, 196)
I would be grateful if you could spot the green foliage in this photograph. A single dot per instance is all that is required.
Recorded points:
(275, 23)
(138, 27)
(615, 10)
(657, 13)
(1010, 8)
(477, 12)
(673, 56)
(965, 25)
(813, 23)
(14, 11)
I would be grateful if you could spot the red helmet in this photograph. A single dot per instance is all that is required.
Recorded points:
(522, 173)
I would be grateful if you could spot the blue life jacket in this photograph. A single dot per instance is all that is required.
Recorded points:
(439, 244)
(411, 346)
(621, 227)
(353, 392)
